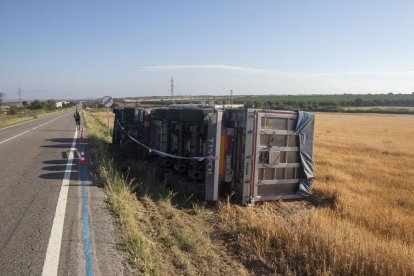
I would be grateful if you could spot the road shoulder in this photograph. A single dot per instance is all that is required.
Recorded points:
(91, 242)
(109, 258)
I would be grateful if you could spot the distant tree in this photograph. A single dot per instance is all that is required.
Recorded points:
(13, 110)
(290, 103)
(2, 95)
(325, 103)
(281, 107)
(358, 101)
(257, 104)
(302, 105)
(369, 102)
(24, 103)
(248, 104)
(378, 101)
(36, 104)
(50, 105)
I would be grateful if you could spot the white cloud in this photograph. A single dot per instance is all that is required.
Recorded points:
(252, 70)
(208, 66)
(250, 80)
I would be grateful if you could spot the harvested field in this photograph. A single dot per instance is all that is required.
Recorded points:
(363, 207)
(101, 116)
(359, 219)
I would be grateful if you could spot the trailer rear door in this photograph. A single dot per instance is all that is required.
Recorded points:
(272, 166)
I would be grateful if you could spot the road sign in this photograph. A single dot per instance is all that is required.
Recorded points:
(107, 101)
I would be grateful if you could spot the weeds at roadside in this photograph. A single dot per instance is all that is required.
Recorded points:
(121, 201)
(164, 234)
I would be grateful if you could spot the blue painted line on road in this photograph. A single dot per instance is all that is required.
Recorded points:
(84, 179)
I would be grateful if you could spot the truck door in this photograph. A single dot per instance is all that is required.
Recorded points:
(272, 156)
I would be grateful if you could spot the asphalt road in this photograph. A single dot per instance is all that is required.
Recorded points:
(33, 160)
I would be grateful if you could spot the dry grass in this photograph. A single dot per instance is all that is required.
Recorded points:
(121, 199)
(101, 116)
(9, 120)
(369, 161)
(161, 237)
(365, 171)
(182, 239)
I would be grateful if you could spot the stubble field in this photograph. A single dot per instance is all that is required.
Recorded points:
(358, 220)
(362, 218)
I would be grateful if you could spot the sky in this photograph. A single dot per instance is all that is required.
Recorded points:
(88, 49)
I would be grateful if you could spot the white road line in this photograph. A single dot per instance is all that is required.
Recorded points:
(14, 137)
(51, 264)
(4, 141)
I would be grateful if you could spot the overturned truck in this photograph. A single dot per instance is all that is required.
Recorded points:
(256, 155)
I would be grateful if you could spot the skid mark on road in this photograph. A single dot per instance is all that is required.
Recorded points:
(11, 138)
(51, 264)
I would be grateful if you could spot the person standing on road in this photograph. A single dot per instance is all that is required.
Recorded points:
(77, 119)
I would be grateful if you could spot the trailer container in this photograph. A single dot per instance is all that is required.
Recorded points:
(257, 155)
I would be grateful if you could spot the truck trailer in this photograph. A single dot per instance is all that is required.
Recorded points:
(255, 155)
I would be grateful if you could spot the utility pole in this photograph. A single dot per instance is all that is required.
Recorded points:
(231, 96)
(172, 90)
(20, 95)
(2, 95)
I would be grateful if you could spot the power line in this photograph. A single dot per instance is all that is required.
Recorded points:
(20, 95)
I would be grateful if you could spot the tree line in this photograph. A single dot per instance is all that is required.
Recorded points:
(325, 102)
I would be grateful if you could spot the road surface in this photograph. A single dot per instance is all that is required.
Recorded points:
(53, 220)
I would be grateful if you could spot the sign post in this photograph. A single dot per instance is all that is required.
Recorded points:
(107, 101)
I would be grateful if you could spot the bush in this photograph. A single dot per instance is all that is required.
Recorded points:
(36, 104)
(13, 110)
(50, 105)
(359, 101)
